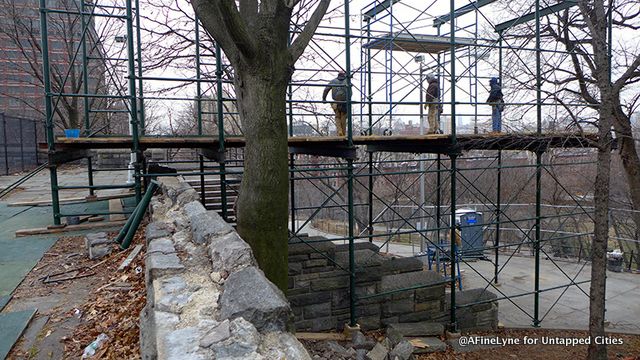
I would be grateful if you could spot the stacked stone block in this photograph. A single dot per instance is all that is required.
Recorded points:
(118, 158)
(111, 158)
(477, 310)
(319, 286)
(319, 290)
(98, 245)
(206, 297)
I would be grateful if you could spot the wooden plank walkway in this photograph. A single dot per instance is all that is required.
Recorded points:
(398, 143)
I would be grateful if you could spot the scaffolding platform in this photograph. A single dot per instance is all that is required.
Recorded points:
(431, 44)
(339, 146)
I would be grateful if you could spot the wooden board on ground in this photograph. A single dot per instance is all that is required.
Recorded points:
(39, 231)
(129, 259)
(320, 336)
(84, 218)
(70, 200)
(81, 219)
(115, 206)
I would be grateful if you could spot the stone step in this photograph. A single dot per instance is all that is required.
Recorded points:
(218, 204)
(214, 198)
(217, 192)
(231, 188)
(196, 181)
(218, 208)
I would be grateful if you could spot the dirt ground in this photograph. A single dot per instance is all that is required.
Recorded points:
(72, 313)
(628, 350)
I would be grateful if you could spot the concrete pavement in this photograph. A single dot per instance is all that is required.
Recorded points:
(38, 188)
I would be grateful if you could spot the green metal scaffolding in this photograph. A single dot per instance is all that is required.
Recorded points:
(336, 174)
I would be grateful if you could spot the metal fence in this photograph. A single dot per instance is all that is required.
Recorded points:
(18, 144)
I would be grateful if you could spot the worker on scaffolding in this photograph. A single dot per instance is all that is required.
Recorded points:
(497, 104)
(458, 238)
(432, 99)
(339, 89)
(458, 252)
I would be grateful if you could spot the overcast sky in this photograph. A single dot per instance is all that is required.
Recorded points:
(395, 73)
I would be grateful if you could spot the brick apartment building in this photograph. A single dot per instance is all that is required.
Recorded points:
(21, 81)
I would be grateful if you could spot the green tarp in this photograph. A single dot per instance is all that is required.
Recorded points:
(11, 327)
(3, 301)
(19, 255)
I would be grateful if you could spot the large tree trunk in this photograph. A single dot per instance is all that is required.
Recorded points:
(597, 291)
(599, 257)
(73, 117)
(254, 36)
(263, 200)
(595, 17)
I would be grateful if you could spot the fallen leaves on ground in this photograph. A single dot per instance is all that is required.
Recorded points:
(114, 308)
(630, 350)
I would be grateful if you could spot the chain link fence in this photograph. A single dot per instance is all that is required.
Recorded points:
(19, 139)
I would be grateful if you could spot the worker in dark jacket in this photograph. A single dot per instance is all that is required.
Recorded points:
(431, 99)
(497, 104)
(338, 88)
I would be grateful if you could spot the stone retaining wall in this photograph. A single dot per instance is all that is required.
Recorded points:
(111, 158)
(481, 316)
(319, 290)
(206, 297)
(120, 158)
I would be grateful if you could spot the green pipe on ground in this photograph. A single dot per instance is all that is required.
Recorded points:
(127, 225)
(128, 231)
(137, 216)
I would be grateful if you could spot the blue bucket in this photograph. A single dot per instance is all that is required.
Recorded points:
(72, 133)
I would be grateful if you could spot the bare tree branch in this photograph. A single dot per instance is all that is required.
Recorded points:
(209, 13)
(301, 42)
(632, 71)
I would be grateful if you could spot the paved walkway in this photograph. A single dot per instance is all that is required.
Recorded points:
(562, 308)
(19, 255)
(39, 186)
